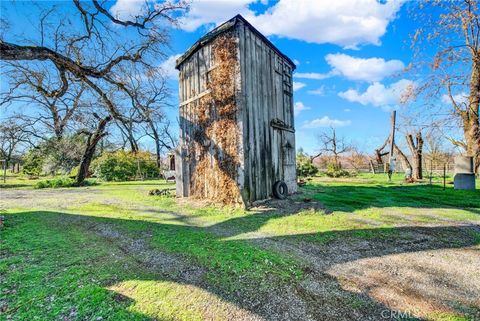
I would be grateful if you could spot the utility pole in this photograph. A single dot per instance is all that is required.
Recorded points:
(391, 159)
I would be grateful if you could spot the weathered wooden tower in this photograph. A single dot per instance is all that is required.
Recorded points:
(237, 136)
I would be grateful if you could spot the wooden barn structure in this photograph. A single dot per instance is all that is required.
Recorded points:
(237, 135)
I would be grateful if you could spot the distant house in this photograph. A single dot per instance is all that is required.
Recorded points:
(237, 135)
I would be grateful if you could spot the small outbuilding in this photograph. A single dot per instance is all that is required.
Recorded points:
(237, 133)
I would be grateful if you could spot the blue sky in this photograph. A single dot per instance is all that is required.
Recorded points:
(347, 79)
(350, 57)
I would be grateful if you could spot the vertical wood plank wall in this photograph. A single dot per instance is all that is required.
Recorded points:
(192, 85)
(265, 92)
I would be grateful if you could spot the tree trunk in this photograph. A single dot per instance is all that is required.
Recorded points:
(158, 147)
(471, 118)
(334, 149)
(92, 142)
(403, 158)
(127, 130)
(379, 152)
(313, 157)
(417, 160)
(416, 149)
(159, 142)
(372, 167)
(133, 144)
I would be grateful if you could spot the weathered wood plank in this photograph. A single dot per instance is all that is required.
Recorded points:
(268, 129)
(265, 107)
(251, 84)
(200, 95)
(262, 108)
(255, 65)
(263, 92)
(242, 115)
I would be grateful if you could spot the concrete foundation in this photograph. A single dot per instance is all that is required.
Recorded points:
(464, 181)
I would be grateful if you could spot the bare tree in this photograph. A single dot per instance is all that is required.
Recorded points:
(380, 153)
(403, 158)
(11, 137)
(416, 148)
(436, 151)
(54, 114)
(451, 30)
(334, 145)
(356, 158)
(93, 138)
(314, 156)
(94, 54)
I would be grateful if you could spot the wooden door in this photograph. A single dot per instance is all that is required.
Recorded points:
(283, 137)
(277, 115)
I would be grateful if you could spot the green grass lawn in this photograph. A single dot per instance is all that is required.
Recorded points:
(112, 252)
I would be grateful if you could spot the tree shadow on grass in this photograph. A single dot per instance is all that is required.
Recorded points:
(5, 186)
(350, 198)
(158, 182)
(265, 283)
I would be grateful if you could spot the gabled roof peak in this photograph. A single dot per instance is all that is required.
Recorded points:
(227, 25)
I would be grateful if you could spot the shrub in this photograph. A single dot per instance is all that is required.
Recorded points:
(56, 183)
(305, 166)
(74, 172)
(62, 182)
(148, 166)
(335, 170)
(122, 166)
(33, 163)
(306, 169)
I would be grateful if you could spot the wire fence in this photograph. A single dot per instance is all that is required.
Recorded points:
(433, 172)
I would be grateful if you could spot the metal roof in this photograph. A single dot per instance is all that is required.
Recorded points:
(225, 27)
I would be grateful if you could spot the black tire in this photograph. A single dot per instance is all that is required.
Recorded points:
(280, 190)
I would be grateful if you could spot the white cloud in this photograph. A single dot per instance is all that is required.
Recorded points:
(296, 62)
(353, 68)
(326, 121)
(380, 95)
(348, 23)
(168, 67)
(319, 91)
(459, 99)
(347, 110)
(298, 85)
(311, 75)
(128, 9)
(369, 69)
(204, 12)
(299, 107)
